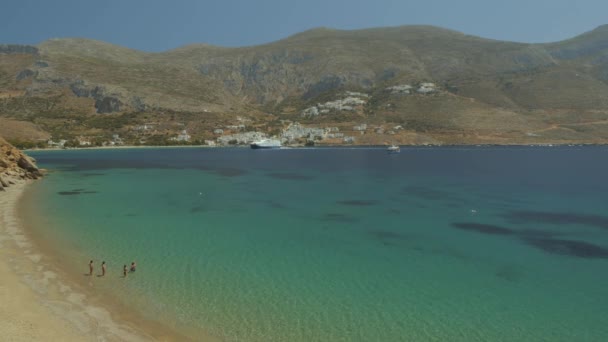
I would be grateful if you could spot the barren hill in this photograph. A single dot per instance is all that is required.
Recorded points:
(409, 84)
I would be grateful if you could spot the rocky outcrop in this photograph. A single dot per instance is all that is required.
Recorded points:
(26, 73)
(18, 49)
(104, 103)
(107, 104)
(41, 64)
(15, 166)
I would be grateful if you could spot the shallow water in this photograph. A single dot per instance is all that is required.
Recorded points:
(458, 244)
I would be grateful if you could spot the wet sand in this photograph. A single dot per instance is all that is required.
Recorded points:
(41, 303)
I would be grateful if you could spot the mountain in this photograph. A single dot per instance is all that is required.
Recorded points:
(409, 84)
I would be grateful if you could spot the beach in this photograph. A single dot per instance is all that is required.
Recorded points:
(24, 315)
(37, 304)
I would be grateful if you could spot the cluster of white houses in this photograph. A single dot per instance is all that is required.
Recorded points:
(294, 133)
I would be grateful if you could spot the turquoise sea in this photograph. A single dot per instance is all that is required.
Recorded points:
(432, 244)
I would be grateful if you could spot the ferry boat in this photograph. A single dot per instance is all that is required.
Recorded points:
(393, 149)
(266, 143)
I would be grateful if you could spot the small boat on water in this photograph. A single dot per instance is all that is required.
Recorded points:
(393, 149)
(266, 143)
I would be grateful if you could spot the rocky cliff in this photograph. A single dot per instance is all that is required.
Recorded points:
(15, 166)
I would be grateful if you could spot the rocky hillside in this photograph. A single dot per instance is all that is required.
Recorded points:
(15, 166)
(435, 85)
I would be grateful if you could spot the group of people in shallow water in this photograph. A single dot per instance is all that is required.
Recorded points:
(103, 268)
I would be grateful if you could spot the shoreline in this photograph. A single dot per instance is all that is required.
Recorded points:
(321, 146)
(40, 302)
(23, 314)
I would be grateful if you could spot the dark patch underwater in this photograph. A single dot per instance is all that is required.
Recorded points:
(483, 228)
(289, 176)
(76, 192)
(387, 235)
(573, 248)
(358, 203)
(339, 217)
(546, 217)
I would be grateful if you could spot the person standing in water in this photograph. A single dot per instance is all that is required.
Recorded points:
(91, 267)
(124, 271)
(133, 265)
(103, 268)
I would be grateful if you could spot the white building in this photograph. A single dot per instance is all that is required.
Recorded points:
(183, 136)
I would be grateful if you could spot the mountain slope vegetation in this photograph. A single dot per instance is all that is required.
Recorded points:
(409, 84)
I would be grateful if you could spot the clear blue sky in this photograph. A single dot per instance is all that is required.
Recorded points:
(153, 25)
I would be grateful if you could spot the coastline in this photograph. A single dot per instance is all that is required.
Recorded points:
(321, 146)
(40, 303)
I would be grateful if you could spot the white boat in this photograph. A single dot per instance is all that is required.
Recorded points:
(393, 149)
(266, 143)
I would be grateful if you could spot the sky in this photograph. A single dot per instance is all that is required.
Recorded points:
(154, 25)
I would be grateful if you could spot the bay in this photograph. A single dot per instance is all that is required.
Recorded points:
(432, 244)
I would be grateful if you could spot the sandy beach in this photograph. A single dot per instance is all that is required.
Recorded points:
(37, 304)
